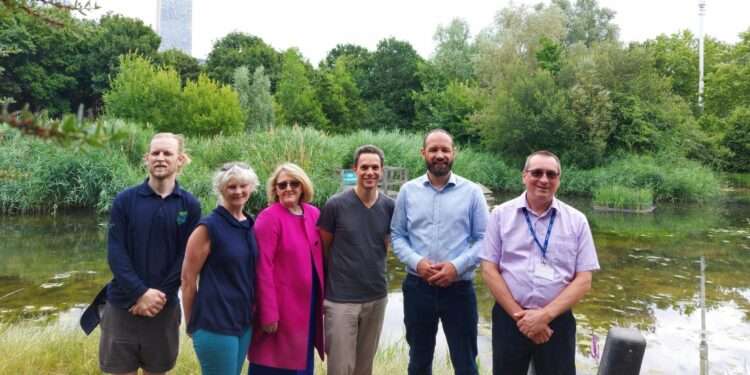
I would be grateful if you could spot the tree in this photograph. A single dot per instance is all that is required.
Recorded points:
(587, 22)
(211, 108)
(154, 95)
(358, 62)
(393, 78)
(255, 97)
(42, 63)
(186, 66)
(550, 55)
(514, 41)
(37, 9)
(727, 86)
(240, 49)
(454, 54)
(450, 108)
(526, 114)
(340, 97)
(115, 36)
(147, 94)
(46, 18)
(296, 99)
(737, 139)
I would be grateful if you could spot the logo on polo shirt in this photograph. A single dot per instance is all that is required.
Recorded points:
(181, 217)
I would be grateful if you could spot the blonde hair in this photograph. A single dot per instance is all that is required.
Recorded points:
(180, 147)
(295, 172)
(239, 171)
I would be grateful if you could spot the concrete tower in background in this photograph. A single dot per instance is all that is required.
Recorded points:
(174, 23)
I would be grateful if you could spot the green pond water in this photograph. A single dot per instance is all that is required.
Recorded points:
(53, 266)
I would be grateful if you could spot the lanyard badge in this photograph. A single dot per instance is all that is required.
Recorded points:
(543, 248)
(542, 269)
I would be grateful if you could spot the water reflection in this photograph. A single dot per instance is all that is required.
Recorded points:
(649, 280)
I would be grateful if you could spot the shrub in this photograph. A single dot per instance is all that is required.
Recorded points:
(144, 93)
(737, 140)
(211, 108)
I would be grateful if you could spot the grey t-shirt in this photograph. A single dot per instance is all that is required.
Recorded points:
(356, 261)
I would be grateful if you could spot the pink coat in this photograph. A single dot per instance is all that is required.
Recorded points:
(284, 283)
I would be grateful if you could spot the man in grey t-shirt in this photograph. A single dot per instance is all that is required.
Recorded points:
(355, 226)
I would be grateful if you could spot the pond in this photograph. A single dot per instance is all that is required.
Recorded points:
(53, 266)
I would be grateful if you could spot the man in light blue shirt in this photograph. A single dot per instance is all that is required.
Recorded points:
(437, 230)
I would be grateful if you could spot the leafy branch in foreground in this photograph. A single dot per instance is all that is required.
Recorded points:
(70, 129)
(32, 8)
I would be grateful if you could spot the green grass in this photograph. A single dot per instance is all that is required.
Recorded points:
(670, 179)
(739, 180)
(621, 197)
(28, 348)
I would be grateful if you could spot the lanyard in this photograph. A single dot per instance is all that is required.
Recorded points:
(533, 233)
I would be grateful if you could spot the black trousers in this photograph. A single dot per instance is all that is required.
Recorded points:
(512, 351)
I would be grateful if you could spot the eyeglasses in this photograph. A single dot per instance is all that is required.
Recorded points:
(228, 166)
(283, 184)
(538, 173)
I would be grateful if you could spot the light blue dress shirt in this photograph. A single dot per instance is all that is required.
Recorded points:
(441, 225)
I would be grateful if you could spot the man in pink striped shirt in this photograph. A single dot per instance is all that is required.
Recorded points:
(537, 260)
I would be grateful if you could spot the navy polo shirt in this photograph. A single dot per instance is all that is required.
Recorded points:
(226, 290)
(146, 242)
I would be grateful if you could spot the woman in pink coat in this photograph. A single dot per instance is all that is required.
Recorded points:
(290, 278)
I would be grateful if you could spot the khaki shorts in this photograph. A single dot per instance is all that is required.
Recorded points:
(130, 342)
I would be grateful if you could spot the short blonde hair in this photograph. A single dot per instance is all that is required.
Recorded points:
(236, 170)
(293, 170)
(180, 147)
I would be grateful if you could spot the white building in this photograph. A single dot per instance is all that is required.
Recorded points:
(174, 23)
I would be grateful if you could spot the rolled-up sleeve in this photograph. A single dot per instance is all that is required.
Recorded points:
(587, 259)
(492, 244)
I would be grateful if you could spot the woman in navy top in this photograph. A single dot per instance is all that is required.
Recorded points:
(222, 249)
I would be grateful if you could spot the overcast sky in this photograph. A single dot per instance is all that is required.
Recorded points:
(316, 26)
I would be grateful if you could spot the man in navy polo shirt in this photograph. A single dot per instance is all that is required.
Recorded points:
(148, 230)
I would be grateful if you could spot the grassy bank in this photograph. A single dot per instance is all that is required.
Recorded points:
(670, 179)
(32, 349)
(41, 176)
(619, 197)
(38, 176)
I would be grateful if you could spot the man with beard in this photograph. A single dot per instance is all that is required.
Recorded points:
(148, 230)
(537, 260)
(437, 230)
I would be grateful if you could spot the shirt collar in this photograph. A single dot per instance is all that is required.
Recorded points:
(145, 190)
(452, 180)
(523, 203)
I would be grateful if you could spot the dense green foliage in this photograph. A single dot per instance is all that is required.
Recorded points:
(40, 176)
(153, 95)
(670, 178)
(255, 97)
(238, 49)
(186, 66)
(295, 95)
(552, 76)
(57, 68)
(737, 139)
